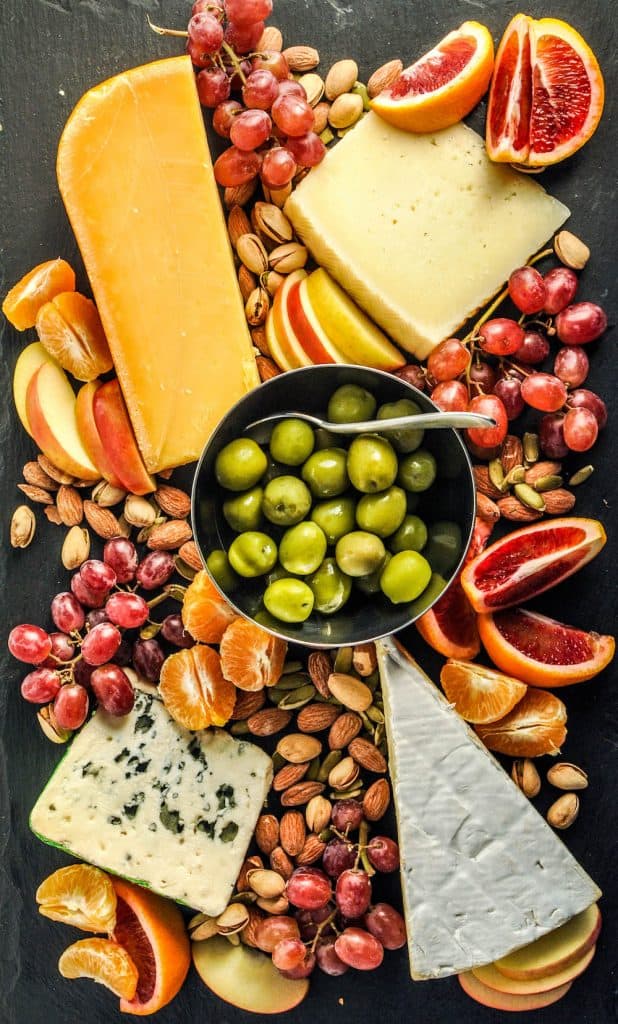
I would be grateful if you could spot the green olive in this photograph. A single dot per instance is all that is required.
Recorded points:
(382, 513)
(405, 577)
(405, 439)
(325, 473)
(244, 512)
(372, 463)
(289, 600)
(302, 548)
(286, 500)
(411, 535)
(370, 584)
(417, 471)
(252, 554)
(292, 442)
(359, 553)
(240, 464)
(351, 404)
(444, 547)
(218, 565)
(331, 587)
(335, 517)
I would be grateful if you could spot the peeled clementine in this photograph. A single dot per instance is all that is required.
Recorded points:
(37, 287)
(70, 328)
(205, 613)
(79, 895)
(101, 960)
(535, 726)
(480, 694)
(250, 657)
(194, 690)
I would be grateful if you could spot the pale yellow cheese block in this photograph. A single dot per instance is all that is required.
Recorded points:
(421, 230)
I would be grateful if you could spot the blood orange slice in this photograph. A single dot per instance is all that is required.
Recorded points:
(541, 651)
(529, 561)
(535, 726)
(450, 626)
(443, 85)
(480, 694)
(510, 96)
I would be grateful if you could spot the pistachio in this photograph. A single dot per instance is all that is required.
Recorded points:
(252, 253)
(23, 525)
(138, 511)
(570, 250)
(340, 79)
(271, 281)
(297, 748)
(317, 813)
(257, 306)
(106, 495)
(563, 811)
(345, 111)
(529, 497)
(567, 776)
(531, 448)
(276, 905)
(526, 776)
(270, 221)
(349, 691)
(76, 547)
(202, 927)
(49, 726)
(271, 39)
(581, 476)
(287, 258)
(313, 85)
(279, 196)
(234, 918)
(266, 883)
(344, 775)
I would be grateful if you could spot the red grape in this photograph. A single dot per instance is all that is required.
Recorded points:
(347, 815)
(482, 378)
(501, 336)
(206, 5)
(121, 554)
(95, 616)
(309, 921)
(580, 323)
(337, 857)
(213, 86)
(30, 644)
(89, 598)
(358, 948)
(302, 970)
(199, 59)
(273, 61)
(234, 167)
(483, 454)
(173, 630)
(527, 290)
(383, 853)
(533, 349)
(451, 396)
(544, 391)
(508, 390)
(101, 644)
(82, 673)
(275, 929)
(67, 613)
(205, 32)
(488, 437)
(551, 436)
(155, 570)
(148, 658)
(128, 610)
(353, 892)
(290, 87)
(308, 150)
(98, 576)
(250, 129)
(243, 38)
(124, 653)
(236, 79)
(580, 429)
(40, 686)
(308, 888)
(278, 167)
(327, 959)
(412, 374)
(449, 360)
(560, 287)
(387, 925)
(588, 400)
(112, 689)
(288, 954)
(260, 90)
(247, 12)
(62, 648)
(223, 117)
(571, 365)
(71, 706)
(292, 115)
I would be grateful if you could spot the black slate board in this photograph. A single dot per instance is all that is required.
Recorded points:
(52, 51)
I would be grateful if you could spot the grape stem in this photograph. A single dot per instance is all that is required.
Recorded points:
(320, 928)
(236, 64)
(182, 33)
(363, 836)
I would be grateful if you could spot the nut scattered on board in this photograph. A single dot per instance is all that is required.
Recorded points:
(288, 257)
(138, 511)
(299, 747)
(376, 800)
(76, 547)
(317, 813)
(271, 39)
(383, 77)
(345, 111)
(34, 474)
(239, 195)
(350, 692)
(36, 494)
(344, 729)
(567, 776)
(102, 521)
(570, 250)
(301, 58)
(525, 775)
(23, 526)
(238, 224)
(267, 833)
(563, 811)
(170, 535)
(340, 78)
(292, 832)
(313, 85)
(252, 253)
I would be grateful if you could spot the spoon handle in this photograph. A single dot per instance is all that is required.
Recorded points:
(426, 420)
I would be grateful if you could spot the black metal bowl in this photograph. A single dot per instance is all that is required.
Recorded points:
(451, 497)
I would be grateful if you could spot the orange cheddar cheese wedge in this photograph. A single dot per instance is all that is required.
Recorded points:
(136, 178)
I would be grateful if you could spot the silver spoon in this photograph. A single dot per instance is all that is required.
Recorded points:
(261, 430)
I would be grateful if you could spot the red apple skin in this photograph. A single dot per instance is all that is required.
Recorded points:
(84, 413)
(303, 329)
(504, 1001)
(491, 977)
(43, 435)
(116, 433)
(577, 953)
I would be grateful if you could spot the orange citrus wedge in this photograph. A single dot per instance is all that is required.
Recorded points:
(101, 960)
(152, 931)
(70, 328)
(443, 85)
(480, 694)
(535, 726)
(205, 613)
(251, 658)
(194, 690)
(450, 626)
(79, 895)
(39, 286)
(541, 651)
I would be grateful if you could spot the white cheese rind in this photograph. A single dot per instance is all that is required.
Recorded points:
(143, 798)
(483, 873)
(422, 230)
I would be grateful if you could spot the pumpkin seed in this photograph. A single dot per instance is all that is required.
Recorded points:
(529, 497)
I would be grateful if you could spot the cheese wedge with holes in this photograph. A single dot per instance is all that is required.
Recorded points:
(421, 230)
(483, 873)
(137, 181)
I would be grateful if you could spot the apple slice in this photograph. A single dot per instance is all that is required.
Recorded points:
(505, 1001)
(348, 328)
(274, 345)
(308, 328)
(50, 410)
(30, 359)
(493, 978)
(118, 440)
(84, 412)
(289, 344)
(555, 951)
(245, 977)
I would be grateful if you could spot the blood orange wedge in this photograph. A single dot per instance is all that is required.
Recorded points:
(101, 960)
(535, 726)
(480, 694)
(152, 931)
(510, 95)
(250, 657)
(450, 626)
(541, 651)
(205, 613)
(194, 690)
(79, 895)
(443, 85)
(37, 287)
(529, 561)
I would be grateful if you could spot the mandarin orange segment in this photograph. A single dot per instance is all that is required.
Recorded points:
(79, 895)
(37, 287)
(480, 694)
(250, 657)
(70, 328)
(535, 726)
(101, 960)
(194, 690)
(205, 613)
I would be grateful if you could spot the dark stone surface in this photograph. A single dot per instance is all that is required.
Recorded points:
(52, 51)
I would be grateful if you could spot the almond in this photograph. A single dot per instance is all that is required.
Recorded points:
(312, 850)
(365, 659)
(237, 224)
(169, 536)
(292, 832)
(559, 501)
(173, 501)
(250, 864)
(383, 77)
(511, 453)
(281, 863)
(267, 369)
(320, 667)
(258, 337)
(483, 483)
(320, 116)
(316, 717)
(541, 469)
(301, 793)
(340, 79)
(102, 521)
(52, 514)
(367, 755)
(35, 475)
(247, 704)
(246, 281)
(270, 40)
(288, 776)
(36, 494)
(297, 747)
(486, 509)
(70, 505)
(376, 800)
(516, 512)
(269, 721)
(301, 58)
(52, 470)
(349, 691)
(267, 833)
(190, 554)
(238, 195)
(344, 730)
(249, 933)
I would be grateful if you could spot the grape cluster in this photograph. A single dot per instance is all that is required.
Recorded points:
(86, 657)
(460, 376)
(271, 125)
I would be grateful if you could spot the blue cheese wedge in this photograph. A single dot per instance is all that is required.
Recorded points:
(483, 874)
(143, 798)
